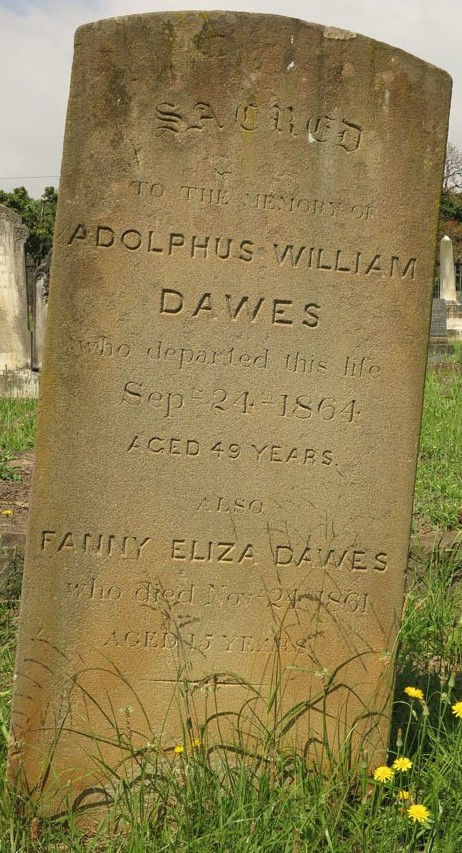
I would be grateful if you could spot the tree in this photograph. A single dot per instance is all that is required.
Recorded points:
(38, 215)
(451, 198)
(452, 180)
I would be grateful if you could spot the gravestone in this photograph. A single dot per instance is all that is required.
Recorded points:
(438, 346)
(14, 333)
(448, 290)
(16, 378)
(447, 271)
(40, 309)
(438, 327)
(231, 394)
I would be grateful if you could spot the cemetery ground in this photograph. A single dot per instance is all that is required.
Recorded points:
(200, 798)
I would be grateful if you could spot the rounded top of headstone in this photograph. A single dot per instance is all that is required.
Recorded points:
(21, 231)
(448, 239)
(10, 215)
(228, 18)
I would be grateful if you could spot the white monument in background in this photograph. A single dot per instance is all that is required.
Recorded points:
(448, 289)
(447, 271)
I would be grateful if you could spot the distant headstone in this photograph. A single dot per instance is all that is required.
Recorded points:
(438, 346)
(447, 271)
(454, 319)
(16, 377)
(232, 388)
(14, 332)
(438, 328)
(40, 315)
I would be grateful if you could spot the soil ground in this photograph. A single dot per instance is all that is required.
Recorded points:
(14, 495)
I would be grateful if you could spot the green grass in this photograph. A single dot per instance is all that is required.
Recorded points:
(438, 494)
(17, 432)
(206, 800)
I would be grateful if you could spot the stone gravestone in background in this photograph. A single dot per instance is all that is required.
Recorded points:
(16, 377)
(14, 332)
(448, 290)
(447, 271)
(40, 307)
(438, 328)
(232, 390)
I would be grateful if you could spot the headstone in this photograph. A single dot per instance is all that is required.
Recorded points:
(16, 377)
(447, 271)
(454, 319)
(40, 317)
(438, 327)
(14, 332)
(438, 346)
(232, 388)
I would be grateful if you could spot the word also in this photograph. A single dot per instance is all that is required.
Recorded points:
(238, 506)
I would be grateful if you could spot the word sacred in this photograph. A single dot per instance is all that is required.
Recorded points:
(172, 119)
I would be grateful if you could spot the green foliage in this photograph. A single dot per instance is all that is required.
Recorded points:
(38, 215)
(17, 433)
(7, 471)
(431, 635)
(438, 500)
(17, 425)
(451, 206)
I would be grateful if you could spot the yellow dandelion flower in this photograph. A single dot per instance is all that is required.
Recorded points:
(196, 743)
(7, 512)
(402, 764)
(179, 749)
(402, 796)
(457, 709)
(418, 813)
(414, 692)
(383, 774)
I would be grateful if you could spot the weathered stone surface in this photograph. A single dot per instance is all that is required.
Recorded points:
(14, 332)
(232, 388)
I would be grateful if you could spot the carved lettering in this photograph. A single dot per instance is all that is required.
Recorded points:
(93, 544)
(353, 559)
(196, 551)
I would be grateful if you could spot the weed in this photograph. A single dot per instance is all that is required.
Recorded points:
(7, 470)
